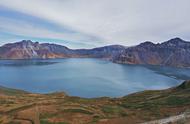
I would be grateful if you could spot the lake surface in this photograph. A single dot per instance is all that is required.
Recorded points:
(87, 77)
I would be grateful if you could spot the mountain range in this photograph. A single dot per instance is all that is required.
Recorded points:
(174, 52)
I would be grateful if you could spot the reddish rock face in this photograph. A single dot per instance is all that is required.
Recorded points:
(27, 49)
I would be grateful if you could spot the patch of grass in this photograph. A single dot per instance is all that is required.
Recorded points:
(47, 115)
(129, 105)
(184, 85)
(47, 122)
(11, 92)
(2, 101)
(114, 110)
(95, 119)
(177, 101)
(78, 111)
(12, 122)
(77, 100)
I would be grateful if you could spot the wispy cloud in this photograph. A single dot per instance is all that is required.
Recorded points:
(99, 22)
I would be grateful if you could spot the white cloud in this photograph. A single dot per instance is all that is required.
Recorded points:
(125, 22)
(21, 28)
(27, 29)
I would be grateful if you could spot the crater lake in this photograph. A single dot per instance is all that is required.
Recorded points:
(87, 77)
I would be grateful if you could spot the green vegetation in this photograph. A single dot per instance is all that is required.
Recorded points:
(114, 110)
(78, 111)
(184, 85)
(47, 115)
(47, 122)
(9, 91)
(2, 101)
(14, 122)
(177, 101)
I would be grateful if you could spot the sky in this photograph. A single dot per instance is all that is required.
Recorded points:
(94, 23)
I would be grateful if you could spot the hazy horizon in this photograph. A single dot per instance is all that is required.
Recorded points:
(89, 24)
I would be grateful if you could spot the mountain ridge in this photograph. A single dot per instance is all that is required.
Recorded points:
(174, 52)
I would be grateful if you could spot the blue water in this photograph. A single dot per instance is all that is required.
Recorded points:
(87, 77)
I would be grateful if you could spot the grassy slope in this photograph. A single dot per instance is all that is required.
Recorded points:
(18, 106)
(9, 91)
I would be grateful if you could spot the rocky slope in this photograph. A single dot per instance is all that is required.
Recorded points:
(27, 49)
(19, 107)
(175, 52)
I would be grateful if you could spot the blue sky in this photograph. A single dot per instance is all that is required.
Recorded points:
(92, 23)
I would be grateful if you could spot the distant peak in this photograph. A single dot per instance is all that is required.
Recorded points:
(176, 40)
(26, 41)
(147, 43)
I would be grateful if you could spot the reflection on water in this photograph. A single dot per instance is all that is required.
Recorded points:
(25, 62)
(177, 73)
(87, 77)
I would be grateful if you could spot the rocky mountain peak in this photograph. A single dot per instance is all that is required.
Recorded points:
(176, 42)
(147, 44)
(26, 41)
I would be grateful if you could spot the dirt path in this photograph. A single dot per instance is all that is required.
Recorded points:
(12, 111)
(28, 113)
(171, 119)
